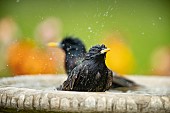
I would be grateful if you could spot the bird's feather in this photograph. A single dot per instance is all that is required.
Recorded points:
(76, 53)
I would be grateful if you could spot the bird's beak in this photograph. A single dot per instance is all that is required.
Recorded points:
(53, 44)
(104, 50)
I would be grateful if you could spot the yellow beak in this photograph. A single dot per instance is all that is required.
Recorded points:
(104, 50)
(53, 44)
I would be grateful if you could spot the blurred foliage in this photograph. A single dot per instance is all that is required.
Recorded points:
(145, 24)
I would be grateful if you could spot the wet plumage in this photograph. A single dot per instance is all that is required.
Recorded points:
(75, 56)
(75, 52)
(92, 74)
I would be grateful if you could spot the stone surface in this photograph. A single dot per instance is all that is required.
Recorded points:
(75, 104)
(90, 103)
(65, 104)
(44, 102)
(101, 104)
(43, 96)
(55, 104)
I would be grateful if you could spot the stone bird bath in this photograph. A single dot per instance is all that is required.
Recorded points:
(37, 94)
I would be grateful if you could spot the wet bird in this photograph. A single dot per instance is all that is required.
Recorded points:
(92, 75)
(74, 50)
(75, 53)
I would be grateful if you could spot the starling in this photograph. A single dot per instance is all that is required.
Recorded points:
(75, 53)
(92, 74)
(74, 50)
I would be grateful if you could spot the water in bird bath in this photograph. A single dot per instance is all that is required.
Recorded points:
(161, 86)
(144, 90)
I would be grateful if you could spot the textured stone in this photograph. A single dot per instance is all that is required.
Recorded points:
(28, 104)
(44, 102)
(21, 101)
(36, 102)
(14, 102)
(166, 103)
(131, 105)
(101, 104)
(0, 98)
(75, 103)
(64, 101)
(82, 105)
(142, 102)
(109, 104)
(8, 101)
(156, 104)
(90, 103)
(120, 105)
(64, 104)
(55, 103)
(4, 100)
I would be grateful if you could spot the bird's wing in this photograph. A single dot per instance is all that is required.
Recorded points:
(119, 81)
(74, 75)
(109, 80)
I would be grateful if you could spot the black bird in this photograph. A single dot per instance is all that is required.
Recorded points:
(75, 52)
(92, 74)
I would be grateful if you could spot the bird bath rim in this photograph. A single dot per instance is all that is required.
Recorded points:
(48, 99)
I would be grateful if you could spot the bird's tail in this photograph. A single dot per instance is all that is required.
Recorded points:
(119, 81)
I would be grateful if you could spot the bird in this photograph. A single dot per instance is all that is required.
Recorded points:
(75, 51)
(92, 74)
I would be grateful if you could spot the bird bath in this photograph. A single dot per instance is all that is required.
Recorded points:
(38, 94)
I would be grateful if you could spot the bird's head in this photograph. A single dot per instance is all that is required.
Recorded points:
(69, 43)
(97, 52)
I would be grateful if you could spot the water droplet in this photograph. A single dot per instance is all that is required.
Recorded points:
(51, 58)
(33, 58)
(68, 49)
(17, 1)
(97, 22)
(153, 24)
(160, 18)
(142, 33)
(89, 28)
(7, 65)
